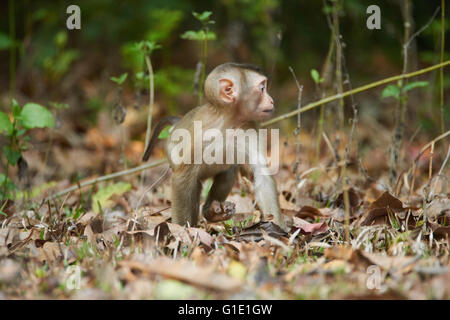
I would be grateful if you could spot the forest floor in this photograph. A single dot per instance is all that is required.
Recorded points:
(114, 239)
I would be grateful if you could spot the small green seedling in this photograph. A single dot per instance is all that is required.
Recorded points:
(316, 76)
(203, 35)
(120, 79)
(15, 129)
(396, 90)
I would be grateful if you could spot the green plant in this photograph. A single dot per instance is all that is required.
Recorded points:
(119, 80)
(136, 54)
(316, 76)
(202, 35)
(31, 116)
(397, 91)
(58, 63)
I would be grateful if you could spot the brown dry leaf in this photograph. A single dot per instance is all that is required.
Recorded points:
(243, 204)
(381, 207)
(9, 271)
(232, 251)
(355, 199)
(113, 232)
(387, 200)
(254, 233)
(309, 212)
(186, 271)
(90, 234)
(438, 208)
(50, 252)
(310, 228)
(337, 265)
(86, 218)
(392, 264)
(285, 204)
(348, 254)
(188, 234)
(96, 139)
(337, 214)
(439, 231)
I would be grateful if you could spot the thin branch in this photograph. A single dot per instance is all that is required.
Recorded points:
(107, 177)
(152, 94)
(423, 27)
(441, 72)
(366, 87)
(442, 136)
(416, 159)
(297, 133)
(433, 189)
(339, 56)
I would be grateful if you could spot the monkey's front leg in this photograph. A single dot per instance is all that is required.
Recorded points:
(186, 189)
(266, 195)
(215, 209)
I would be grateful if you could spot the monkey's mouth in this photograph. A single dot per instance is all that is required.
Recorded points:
(267, 112)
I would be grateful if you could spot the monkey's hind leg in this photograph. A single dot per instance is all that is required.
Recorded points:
(215, 209)
(185, 198)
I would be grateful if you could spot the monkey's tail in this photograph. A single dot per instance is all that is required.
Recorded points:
(164, 122)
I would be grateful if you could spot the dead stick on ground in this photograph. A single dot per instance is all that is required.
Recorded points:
(108, 177)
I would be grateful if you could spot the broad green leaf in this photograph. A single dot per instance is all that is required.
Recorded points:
(11, 155)
(6, 126)
(415, 84)
(101, 198)
(119, 80)
(36, 116)
(164, 134)
(391, 91)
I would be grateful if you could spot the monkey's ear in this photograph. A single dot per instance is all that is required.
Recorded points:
(227, 90)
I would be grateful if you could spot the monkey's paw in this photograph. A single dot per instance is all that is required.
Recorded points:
(220, 211)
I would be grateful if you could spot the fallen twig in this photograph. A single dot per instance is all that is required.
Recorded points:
(107, 177)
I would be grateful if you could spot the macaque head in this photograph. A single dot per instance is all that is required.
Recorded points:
(242, 89)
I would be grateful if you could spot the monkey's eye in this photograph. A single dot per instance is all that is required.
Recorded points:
(262, 87)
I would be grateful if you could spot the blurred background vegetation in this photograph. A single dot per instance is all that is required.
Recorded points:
(70, 70)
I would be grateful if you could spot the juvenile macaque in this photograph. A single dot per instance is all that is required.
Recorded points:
(237, 98)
